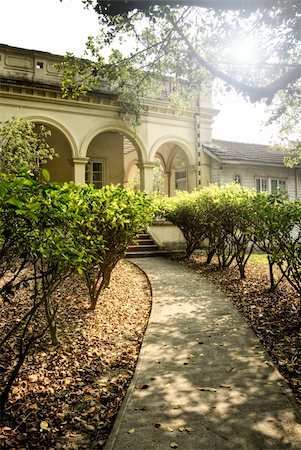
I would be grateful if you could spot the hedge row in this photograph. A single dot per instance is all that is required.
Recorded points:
(48, 231)
(234, 221)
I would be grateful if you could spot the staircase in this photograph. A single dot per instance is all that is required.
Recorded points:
(144, 247)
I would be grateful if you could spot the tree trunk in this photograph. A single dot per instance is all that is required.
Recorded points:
(13, 376)
(51, 321)
(273, 286)
(210, 255)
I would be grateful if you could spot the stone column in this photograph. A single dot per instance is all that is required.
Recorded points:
(79, 166)
(167, 184)
(146, 176)
(191, 178)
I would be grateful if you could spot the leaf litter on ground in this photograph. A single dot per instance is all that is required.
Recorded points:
(274, 317)
(68, 397)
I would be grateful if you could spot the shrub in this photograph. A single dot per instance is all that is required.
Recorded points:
(185, 211)
(116, 216)
(23, 147)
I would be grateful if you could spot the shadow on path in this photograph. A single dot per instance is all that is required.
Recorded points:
(203, 380)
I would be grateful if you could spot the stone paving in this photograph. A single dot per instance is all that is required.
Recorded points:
(203, 380)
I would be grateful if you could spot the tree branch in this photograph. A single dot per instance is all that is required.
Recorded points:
(255, 93)
(114, 8)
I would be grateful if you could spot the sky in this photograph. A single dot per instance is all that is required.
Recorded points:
(60, 27)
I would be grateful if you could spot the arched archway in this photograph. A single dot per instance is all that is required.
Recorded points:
(178, 163)
(61, 167)
(132, 175)
(113, 155)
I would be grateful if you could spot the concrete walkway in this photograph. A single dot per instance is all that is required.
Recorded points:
(203, 380)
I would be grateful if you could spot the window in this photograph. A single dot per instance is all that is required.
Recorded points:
(94, 173)
(39, 65)
(261, 184)
(278, 185)
(237, 179)
(181, 180)
(270, 185)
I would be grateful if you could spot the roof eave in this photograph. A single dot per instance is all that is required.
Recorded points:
(210, 153)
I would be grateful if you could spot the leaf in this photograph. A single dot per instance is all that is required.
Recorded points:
(131, 431)
(3, 190)
(174, 445)
(33, 378)
(15, 202)
(46, 175)
(181, 429)
(89, 411)
(89, 427)
(67, 381)
(169, 429)
(43, 425)
(207, 388)
(175, 405)
(33, 406)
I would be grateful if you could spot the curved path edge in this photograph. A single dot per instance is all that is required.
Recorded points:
(203, 380)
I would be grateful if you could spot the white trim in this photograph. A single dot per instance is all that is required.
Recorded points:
(89, 167)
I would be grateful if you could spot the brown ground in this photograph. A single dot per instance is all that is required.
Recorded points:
(68, 397)
(275, 318)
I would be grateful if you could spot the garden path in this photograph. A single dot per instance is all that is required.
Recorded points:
(203, 380)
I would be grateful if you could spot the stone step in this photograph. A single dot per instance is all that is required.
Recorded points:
(144, 247)
(144, 236)
(145, 254)
(145, 241)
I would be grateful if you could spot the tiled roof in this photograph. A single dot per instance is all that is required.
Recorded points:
(241, 151)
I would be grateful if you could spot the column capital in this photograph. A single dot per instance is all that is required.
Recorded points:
(146, 165)
(80, 160)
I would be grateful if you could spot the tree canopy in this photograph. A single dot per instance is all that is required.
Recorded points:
(192, 41)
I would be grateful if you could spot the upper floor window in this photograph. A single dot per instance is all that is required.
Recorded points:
(94, 174)
(181, 179)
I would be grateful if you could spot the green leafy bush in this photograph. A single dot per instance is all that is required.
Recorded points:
(116, 216)
(23, 147)
(38, 250)
(187, 212)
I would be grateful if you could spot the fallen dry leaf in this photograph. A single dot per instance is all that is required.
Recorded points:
(274, 316)
(207, 388)
(64, 386)
(43, 425)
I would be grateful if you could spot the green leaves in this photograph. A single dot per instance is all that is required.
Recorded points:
(24, 147)
(116, 215)
(45, 175)
(219, 214)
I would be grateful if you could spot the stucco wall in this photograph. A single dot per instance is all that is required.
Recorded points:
(167, 235)
(31, 89)
(109, 148)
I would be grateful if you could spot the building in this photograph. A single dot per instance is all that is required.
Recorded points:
(254, 166)
(95, 145)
